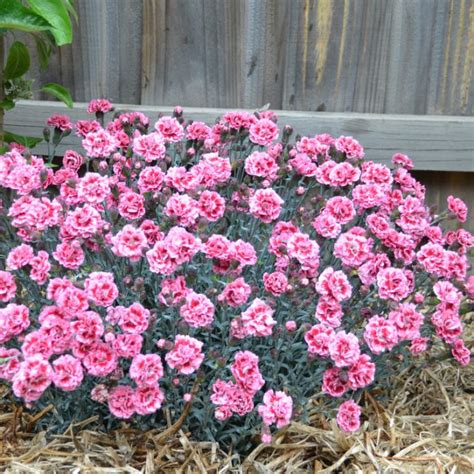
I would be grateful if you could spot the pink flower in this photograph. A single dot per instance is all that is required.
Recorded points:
(151, 147)
(127, 345)
(131, 205)
(198, 131)
(170, 129)
(265, 204)
(99, 144)
(263, 132)
(380, 334)
(121, 401)
(148, 399)
(318, 339)
(344, 349)
(246, 372)
(150, 179)
(348, 416)
(335, 383)
(352, 249)
(67, 373)
(211, 205)
(393, 283)
(100, 360)
(146, 369)
(327, 226)
(101, 289)
(19, 257)
(83, 222)
(407, 320)
(261, 164)
(186, 356)
(236, 293)
(88, 327)
(329, 311)
(69, 254)
(135, 319)
(350, 146)
(334, 284)
(361, 373)
(182, 208)
(341, 208)
(458, 208)
(61, 122)
(418, 345)
(93, 188)
(32, 379)
(198, 310)
(305, 250)
(276, 283)
(257, 319)
(99, 106)
(173, 291)
(403, 160)
(7, 286)
(460, 352)
(129, 242)
(277, 408)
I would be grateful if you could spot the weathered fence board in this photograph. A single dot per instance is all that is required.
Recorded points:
(434, 142)
(377, 56)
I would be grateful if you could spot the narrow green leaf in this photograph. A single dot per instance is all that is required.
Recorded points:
(29, 142)
(14, 15)
(18, 61)
(44, 49)
(56, 13)
(59, 92)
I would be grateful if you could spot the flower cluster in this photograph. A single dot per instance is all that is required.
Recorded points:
(225, 268)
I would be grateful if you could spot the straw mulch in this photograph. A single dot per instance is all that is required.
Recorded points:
(427, 427)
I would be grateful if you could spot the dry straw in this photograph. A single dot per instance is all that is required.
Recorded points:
(427, 427)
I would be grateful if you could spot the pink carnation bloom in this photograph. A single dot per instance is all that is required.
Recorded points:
(99, 106)
(170, 129)
(263, 132)
(61, 122)
(361, 373)
(380, 334)
(146, 369)
(265, 204)
(69, 254)
(348, 416)
(7, 286)
(67, 373)
(246, 372)
(458, 208)
(93, 188)
(135, 319)
(186, 355)
(101, 289)
(334, 284)
(350, 146)
(184, 209)
(151, 147)
(344, 349)
(341, 208)
(277, 408)
(99, 144)
(19, 257)
(276, 283)
(129, 242)
(173, 291)
(131, 205)
(262, 165)
(393, 283)
(460, 352)
(236, 293)
(319, 338)
(257, 319)
(198, 310)
(121, 401)
(211, 205)
(148, 399)
(33, 377)
(335, 383)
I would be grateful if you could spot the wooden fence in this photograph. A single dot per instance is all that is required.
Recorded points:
(396, 74)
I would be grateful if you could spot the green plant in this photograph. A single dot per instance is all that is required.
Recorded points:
(49, 24)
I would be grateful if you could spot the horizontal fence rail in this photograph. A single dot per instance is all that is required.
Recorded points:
(436, 143)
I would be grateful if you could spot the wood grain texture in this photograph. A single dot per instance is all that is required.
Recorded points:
(433, 142)
(376, 56)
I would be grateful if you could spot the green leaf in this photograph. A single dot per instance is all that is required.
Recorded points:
(14, 15)
(59, 92)
(44, 49)
(29, 142)
(7, 104)
(18, 61)
(56, 13)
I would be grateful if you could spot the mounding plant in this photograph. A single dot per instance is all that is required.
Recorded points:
(219, 276)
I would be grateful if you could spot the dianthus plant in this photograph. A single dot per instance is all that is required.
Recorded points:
(229, 272)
